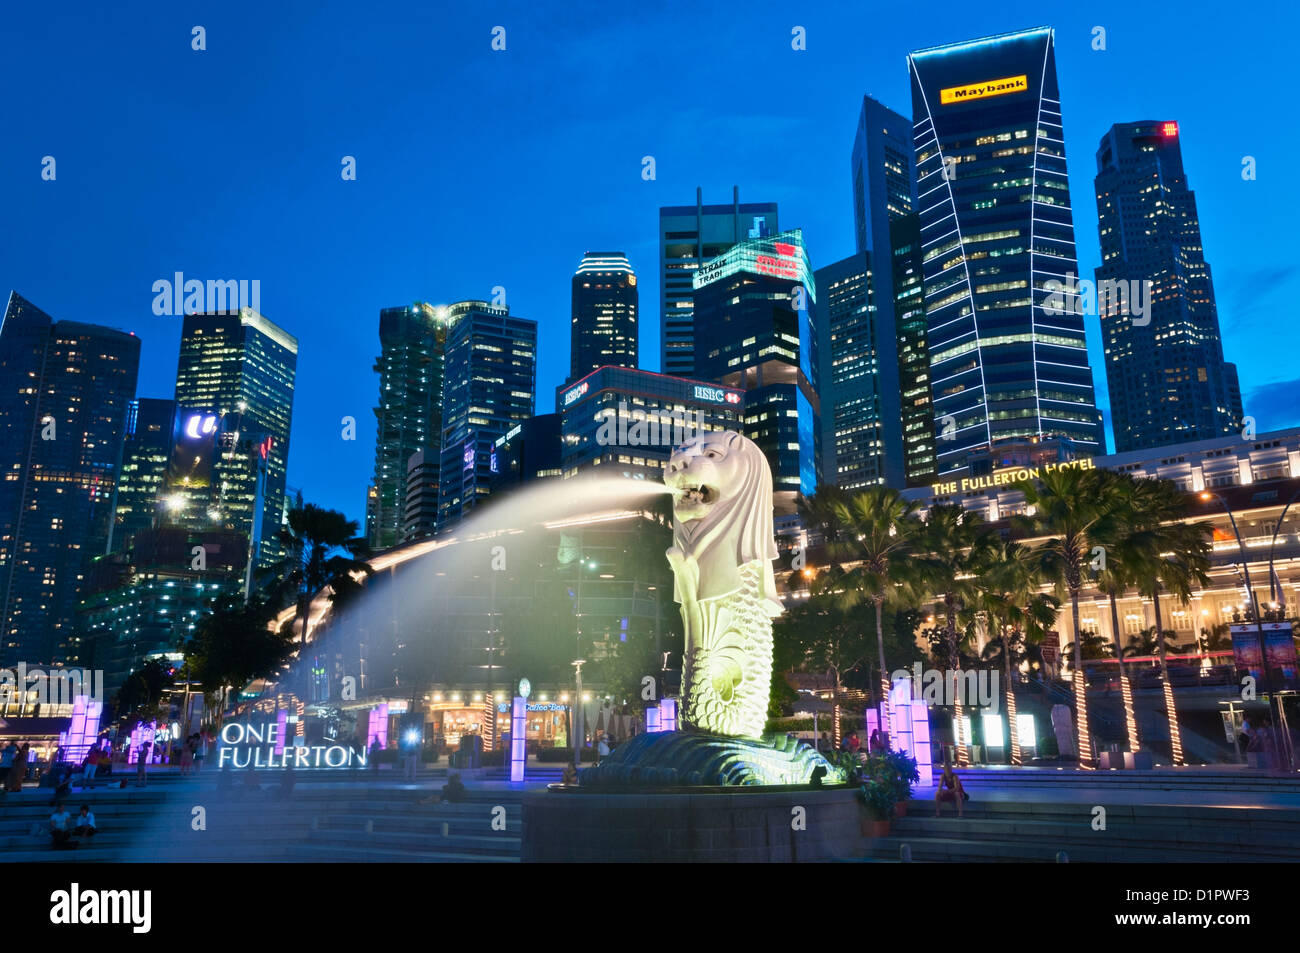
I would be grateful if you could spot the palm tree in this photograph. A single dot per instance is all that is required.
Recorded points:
(1115, 578)
(956, 543)
(313, 533)
(878, 533)
(1009, 584)
(1076, 508)
(1171, 555)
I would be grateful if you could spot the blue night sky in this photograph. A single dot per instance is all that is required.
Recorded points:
(478, 168)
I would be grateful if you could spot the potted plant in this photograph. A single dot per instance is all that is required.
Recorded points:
(878, 799)
(900, 771)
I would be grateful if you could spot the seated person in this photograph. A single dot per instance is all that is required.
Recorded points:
(84, 823)
(949, 789)
(61, 826)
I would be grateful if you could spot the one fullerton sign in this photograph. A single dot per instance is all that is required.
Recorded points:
(991, 87)
(261, 746)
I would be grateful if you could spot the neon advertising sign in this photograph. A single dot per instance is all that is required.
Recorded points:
(716, 395)
(574, 394)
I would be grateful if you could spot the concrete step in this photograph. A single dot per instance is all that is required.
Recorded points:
(327, 853)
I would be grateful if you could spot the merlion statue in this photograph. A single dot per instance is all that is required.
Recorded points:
(721, 558)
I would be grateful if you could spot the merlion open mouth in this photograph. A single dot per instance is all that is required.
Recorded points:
(696, 495)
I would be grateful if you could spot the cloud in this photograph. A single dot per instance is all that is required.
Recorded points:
(1274, 405)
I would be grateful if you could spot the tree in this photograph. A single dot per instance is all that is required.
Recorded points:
(1075, 508)
(878, 531)
(314, 534)
(1114, 577)
(140, 697)
(234, 645)
(956, 542)
(1008, 585)
(1167, 554)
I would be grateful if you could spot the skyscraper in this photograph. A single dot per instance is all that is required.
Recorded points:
(409, 413)
(916, 400)
(490, 383)
(238, 368)
(1165, 369)
(756, 331)
(861, 419)
(996, 227)
(150, 437)
(690, 235)
(884, 174)
(64, 391)
(604, 314)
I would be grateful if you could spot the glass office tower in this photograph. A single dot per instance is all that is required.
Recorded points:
(64, 392)
(150, 438)
(238, 367)
(490, 383)
(1165, 369)
(756, 330)
(996, 228)
(603, 323)
(690, 235)
(408, 414)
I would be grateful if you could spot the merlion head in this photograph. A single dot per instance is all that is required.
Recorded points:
(722, 510)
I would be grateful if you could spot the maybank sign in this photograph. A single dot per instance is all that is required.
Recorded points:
(1007, 477)
(992, 87)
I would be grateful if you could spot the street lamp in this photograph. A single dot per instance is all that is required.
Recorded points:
(1259, 628)
(1272, 590)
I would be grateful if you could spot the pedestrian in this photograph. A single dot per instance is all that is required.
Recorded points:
(18, 770)
(854, 742)
(61, 827)
(85, 823)
(200, 749)
(876, 743)
(89, 767)
(375, 748)
(570, 774)
(142, 764)
(187, 756)
(602, 748)
(949, 789)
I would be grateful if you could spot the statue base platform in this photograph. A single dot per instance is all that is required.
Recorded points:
(693, 825)
(693, 758)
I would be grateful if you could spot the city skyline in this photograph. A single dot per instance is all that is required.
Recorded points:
(317, 291)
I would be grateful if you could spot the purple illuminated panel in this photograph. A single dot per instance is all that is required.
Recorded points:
(378, 727)
(668, 714)
(83, 730)
(910, 728)
(518, 738)
(652, 725)
(281, 725)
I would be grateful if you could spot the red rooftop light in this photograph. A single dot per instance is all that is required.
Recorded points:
(1169, 129)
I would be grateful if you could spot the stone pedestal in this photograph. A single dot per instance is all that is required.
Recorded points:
(694, 825)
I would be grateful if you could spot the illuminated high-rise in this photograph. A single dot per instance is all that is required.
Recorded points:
(64, 392)
(756, 331)
(234, 394)
(996, 228)
(604, 314)
(408, 414)
(690, 235)
(489, 386)
(1164, 367)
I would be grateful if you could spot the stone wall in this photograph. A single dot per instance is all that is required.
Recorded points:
(692, 826)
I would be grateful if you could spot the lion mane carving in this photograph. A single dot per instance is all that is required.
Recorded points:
(721, 558)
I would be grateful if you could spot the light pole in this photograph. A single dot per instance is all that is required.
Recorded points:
(577, 714)
(1259, 628)
(1272, 592)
